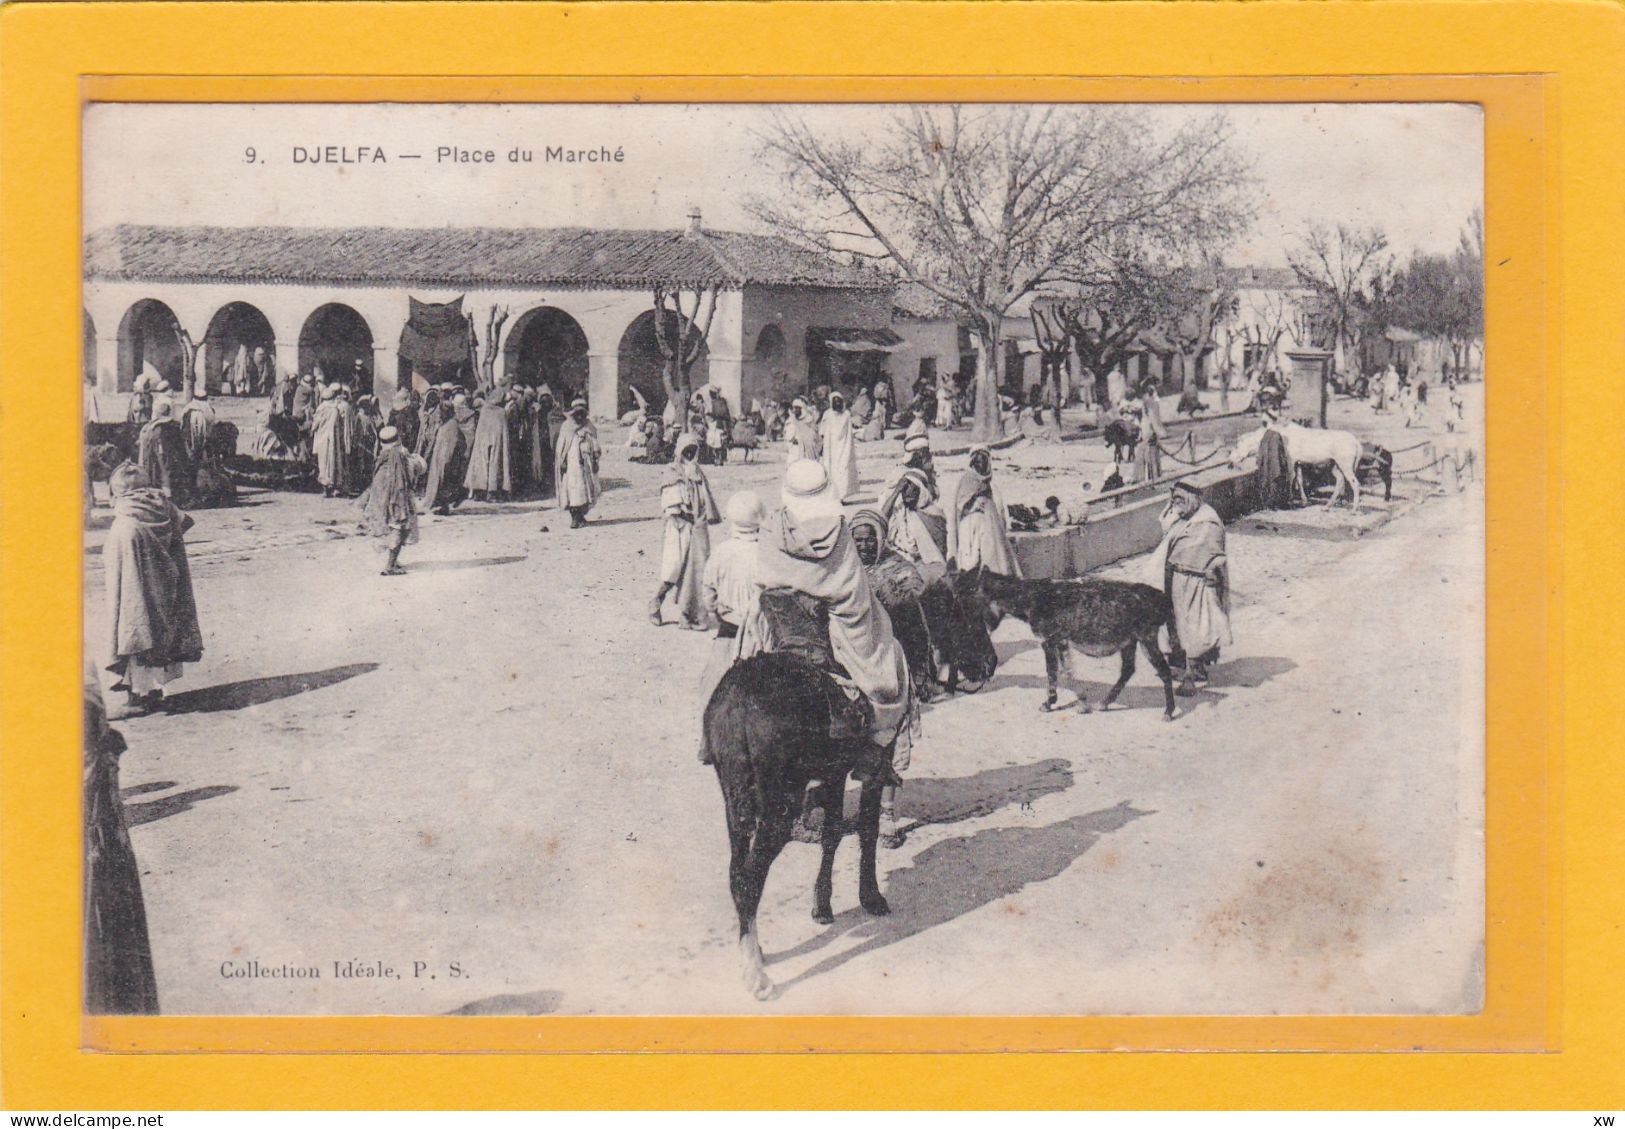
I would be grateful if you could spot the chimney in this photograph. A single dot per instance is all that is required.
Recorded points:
(694, 219)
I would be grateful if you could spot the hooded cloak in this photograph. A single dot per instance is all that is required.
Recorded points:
(575, 465)
(119, 977)
(161, 453)
(690, 509)
(490, 460)
(152, 612)
(978, 528)
(330, 436)
(811, 551)
(448, 460)
(840, 456)
(387, 506)
(1196, 578)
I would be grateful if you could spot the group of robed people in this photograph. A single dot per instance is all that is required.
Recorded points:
(173, 447)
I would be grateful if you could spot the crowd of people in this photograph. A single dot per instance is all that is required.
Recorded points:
(433, 451)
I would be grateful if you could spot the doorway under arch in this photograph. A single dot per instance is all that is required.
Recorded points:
(640, 363)
(547, 346)
(239, 352)
(148, 336)
(770, 364)
(336, 337)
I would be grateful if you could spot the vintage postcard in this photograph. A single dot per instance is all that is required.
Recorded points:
(878, 559)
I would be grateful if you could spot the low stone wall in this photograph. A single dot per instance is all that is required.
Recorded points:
(1128, 528)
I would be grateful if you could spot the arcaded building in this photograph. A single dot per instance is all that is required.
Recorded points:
(399, 301)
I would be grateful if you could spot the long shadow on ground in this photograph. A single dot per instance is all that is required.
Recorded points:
(600, 522)
(143, 789)
(1144, 690)
(255, 691)
(959, 876)
(926, 800)
(155, 810)
(446, 566)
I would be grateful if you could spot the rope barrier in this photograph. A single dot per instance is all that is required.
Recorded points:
(1458, 465)
(1190, 444)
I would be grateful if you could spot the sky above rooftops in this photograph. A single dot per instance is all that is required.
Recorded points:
(1416, 170)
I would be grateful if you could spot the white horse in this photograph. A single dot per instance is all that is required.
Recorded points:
(1311, 446)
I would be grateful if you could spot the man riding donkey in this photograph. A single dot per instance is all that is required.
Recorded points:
(806, 549)
(829, 696)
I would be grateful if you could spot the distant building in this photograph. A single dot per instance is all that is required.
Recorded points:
(934, 339)
(399, 302)
(1271, 318)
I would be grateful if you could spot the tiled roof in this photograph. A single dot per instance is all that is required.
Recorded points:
(462, 256)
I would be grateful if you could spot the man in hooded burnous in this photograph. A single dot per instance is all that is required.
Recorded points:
(330, 436)
(840, 456)
(1196, 576)
(448, 458)
(730, 593)
(388, 512)
(161, 451)
(197, 420)
(800, 436)
(575, 465)
(152, 614)
(978, 525)
(690, 511)
(806, 546)
(490, 460)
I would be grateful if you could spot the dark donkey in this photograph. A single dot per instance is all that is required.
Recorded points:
(1098, 617)
(770, 730)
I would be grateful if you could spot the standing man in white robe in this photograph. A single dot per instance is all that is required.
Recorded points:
(800, 436)
(1196, 576)
(730, 592)
(978, 525)
(576, 465)
(840, 455)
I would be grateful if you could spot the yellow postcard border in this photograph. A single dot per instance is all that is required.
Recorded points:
(45, 50)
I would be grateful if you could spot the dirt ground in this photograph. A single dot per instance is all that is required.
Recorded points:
(487, 767)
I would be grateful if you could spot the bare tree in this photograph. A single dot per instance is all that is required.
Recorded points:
(680, 335)
(1260, 326)
(1202, 303)
(1338, 264)
(982, 206)
(485, 347)
(189, 352)
(1054, 346)
(1109, 314)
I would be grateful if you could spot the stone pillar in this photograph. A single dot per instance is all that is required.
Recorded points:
(1310, 391)
(603, 386)
(386, 373)
(196, 326)
(287, 356)
(107, 362)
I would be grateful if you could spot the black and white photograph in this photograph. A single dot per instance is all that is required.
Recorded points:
(762, 559)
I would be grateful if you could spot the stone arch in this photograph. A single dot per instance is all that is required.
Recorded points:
(547, 346)
(236, 333)
(639, 361)
(148, 335)
(770, 345)
(770, 362)
(335, 336)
